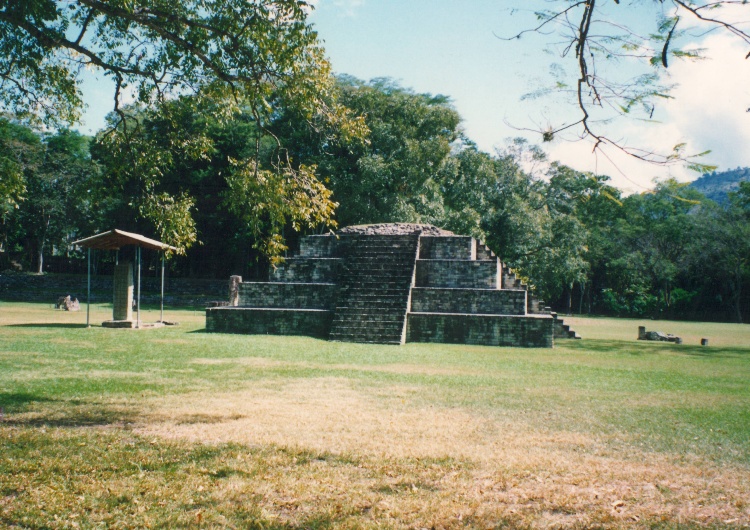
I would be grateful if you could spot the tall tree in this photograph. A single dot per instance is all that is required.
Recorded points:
(20, 151)
(201, 178)
(393, 175)
(155, 49)
(57, 204)
(232, 56)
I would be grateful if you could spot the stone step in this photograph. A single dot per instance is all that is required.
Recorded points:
(390, 330)
(369, 328)
(392, 265)
(372, 287)
(375, 278)
(369, 305)
(360, 337)
(358, 314)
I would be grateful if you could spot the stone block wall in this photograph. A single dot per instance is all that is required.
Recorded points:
(288, 295)
(476, 301)
(484, 252)
(389, 284)
(178, 292)
(488, 330)
(307, 270)
(474, 274)
(253, 321)
(322, 246)
(447, 247)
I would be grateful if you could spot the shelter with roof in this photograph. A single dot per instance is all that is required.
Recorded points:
(122, 304)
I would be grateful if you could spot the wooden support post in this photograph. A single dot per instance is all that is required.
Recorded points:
(161, 318)
(88, 292)
(138, 302)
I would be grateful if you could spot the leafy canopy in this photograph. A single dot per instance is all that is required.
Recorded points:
(154, 49)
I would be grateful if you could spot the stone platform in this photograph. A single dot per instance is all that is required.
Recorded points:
(390, 284)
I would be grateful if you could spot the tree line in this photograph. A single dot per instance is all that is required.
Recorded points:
(235, 196)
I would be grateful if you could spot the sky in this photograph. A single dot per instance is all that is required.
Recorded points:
(455, 48)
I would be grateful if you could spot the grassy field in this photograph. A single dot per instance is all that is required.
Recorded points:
(175, 427)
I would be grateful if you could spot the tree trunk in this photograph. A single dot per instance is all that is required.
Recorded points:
(582, 286)
(570, 299)
(737, 293)
(40, 270)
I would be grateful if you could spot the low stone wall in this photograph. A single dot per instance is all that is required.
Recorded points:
(487, 330)
(180, 292)
(289, 295)
(470, 274)
(317, 246)
(447, 247)
(484, 252)
(255, 321)
(307, 270)
(477, 301)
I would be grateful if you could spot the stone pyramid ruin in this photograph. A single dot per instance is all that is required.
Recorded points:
(390, 284)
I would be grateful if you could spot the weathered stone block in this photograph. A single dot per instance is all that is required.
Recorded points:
(288, 295)
(475, 301)
(471, 274)
(447, 247)
(487, 330)
(256, 321)
(320, 246)
(234, 290)
(122, 305)
(307, 270)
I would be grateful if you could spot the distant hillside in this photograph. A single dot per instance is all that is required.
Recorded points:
(715, 185)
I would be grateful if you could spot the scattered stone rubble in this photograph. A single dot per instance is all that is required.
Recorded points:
(66, 303)
(657, 336)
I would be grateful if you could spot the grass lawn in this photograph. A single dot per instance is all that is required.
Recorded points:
(175, 427)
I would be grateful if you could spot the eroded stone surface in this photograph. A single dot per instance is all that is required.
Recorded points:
(390, 283)
(395, 229)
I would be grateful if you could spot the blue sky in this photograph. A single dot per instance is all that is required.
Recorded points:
(451, 47)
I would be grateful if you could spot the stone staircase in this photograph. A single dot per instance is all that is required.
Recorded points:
(562, 330)
(375, 281)
(536, 305)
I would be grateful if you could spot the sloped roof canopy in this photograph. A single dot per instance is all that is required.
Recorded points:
(115, 239)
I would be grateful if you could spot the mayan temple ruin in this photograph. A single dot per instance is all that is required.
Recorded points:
(390, 284)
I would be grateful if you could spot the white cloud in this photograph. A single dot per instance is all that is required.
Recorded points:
(708, 112)
(348, 8)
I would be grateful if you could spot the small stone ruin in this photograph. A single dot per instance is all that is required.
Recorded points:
(390, 284)
(657, 336)
(68, 303)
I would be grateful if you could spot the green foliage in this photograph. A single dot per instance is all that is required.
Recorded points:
(185, 171)
(394, 175)
(247, 50)
(266, 201)
(54, 174)
(19, 151)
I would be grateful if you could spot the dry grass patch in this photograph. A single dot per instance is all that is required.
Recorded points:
(171, 428)
(446, 466)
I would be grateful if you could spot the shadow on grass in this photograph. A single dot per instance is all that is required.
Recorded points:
(47, 325)
(644, 348)
(19, 410)
(17, 401)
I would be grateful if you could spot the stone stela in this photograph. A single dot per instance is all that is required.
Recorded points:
(390, 284)
(122, 302)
